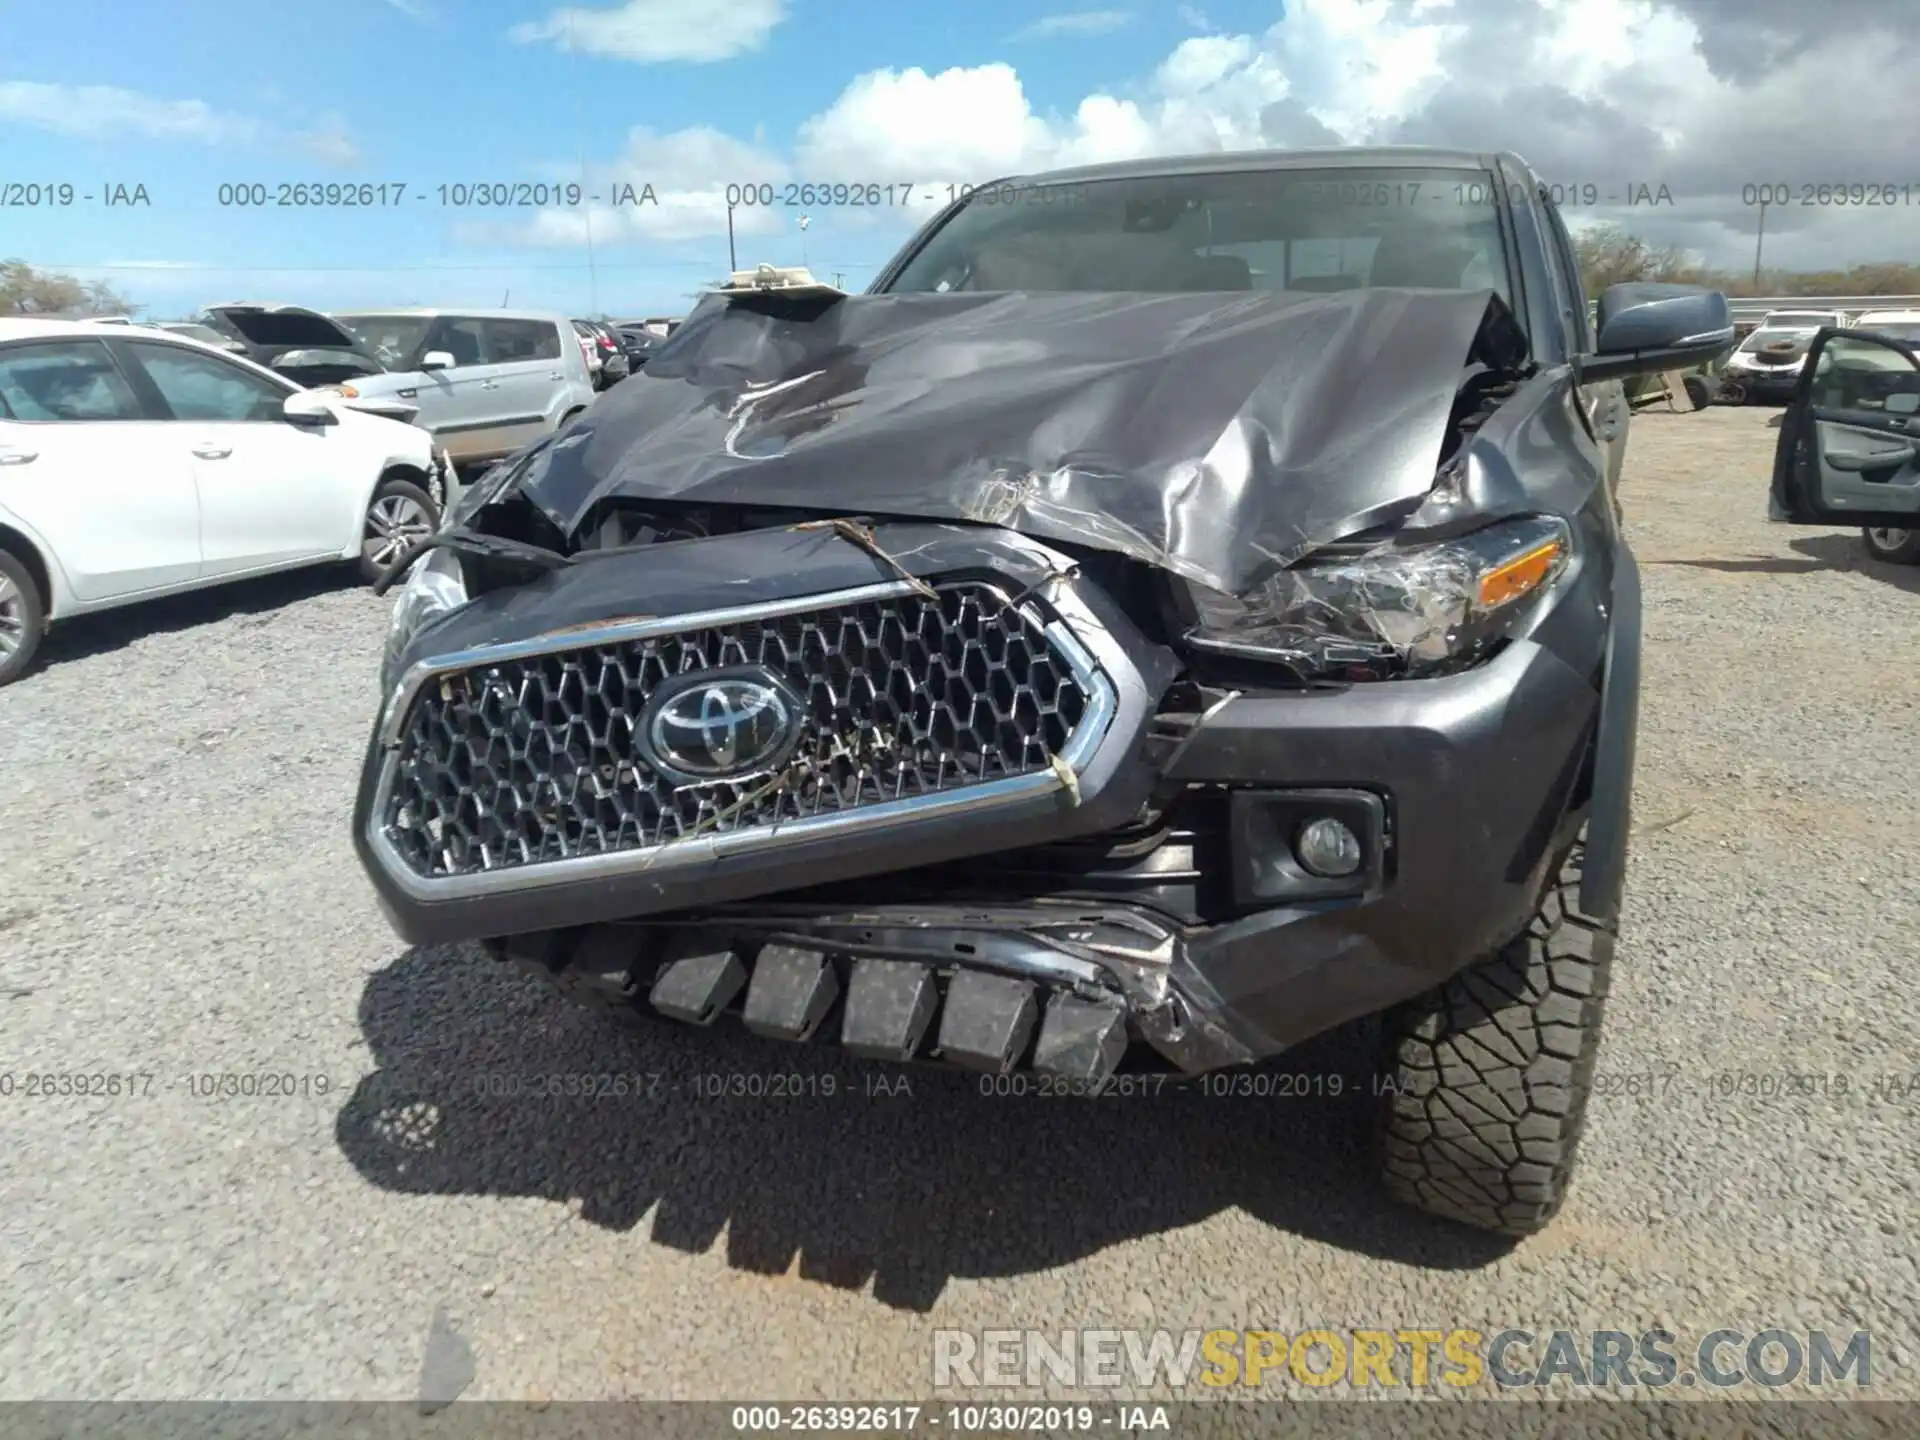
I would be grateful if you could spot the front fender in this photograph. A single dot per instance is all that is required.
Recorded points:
(1610, 819)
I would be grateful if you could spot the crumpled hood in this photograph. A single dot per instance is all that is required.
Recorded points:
(1215, 435)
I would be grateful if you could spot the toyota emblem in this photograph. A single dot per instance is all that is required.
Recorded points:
(720, 725)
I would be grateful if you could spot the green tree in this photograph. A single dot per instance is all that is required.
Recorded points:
(1611, 255)
(25, 290)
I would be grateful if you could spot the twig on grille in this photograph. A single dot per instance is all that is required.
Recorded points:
(1060, 767)
(720, 817)
(1052, 577)
(1193, 730)
(854, 533)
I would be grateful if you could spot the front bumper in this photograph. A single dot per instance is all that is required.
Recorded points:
(1766, 380)
(1464, 788)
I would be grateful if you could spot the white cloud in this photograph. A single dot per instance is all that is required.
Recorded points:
(963, 124)
(412, 9)
(1203, 61)
(1336, 68)
(97, 111)
(1621, 91)
(652, 31)
(330, 144)
(1076, 24)
(101, 112)
(691, 174)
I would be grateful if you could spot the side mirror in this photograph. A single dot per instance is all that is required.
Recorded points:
(437, 360)
(1646, 327)
(308, 407)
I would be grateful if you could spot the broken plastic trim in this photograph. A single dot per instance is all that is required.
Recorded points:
(472, 542)
(1122, 954)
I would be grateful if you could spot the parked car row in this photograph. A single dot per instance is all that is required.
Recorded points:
(141, 460)
(1767, 363)
(483, 382)
(137, 462)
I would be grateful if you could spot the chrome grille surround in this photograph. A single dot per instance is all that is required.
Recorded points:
(517, 764)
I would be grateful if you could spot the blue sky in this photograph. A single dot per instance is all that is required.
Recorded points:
(431, 92)
(186, 96)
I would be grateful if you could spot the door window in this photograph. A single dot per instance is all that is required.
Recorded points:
(1861, 375)
(64, 380)
(461, 337)
(394, 338)
(512, 340)
(201, 387)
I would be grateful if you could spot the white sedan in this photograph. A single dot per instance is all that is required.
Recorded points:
(135, 463)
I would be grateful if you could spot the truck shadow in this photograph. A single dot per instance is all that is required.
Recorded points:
(1842, 552)
(854, 1172)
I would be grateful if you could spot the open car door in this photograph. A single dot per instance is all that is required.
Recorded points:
(1849, 446)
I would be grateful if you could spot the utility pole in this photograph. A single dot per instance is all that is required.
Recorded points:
(586, 209)
(1758, 239)
(732, 263)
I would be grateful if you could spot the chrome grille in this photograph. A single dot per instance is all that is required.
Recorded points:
(537, 757)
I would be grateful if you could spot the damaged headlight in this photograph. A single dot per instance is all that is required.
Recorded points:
(435, 585)
(1392, 613)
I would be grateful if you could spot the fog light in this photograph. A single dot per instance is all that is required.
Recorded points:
(1328, 848)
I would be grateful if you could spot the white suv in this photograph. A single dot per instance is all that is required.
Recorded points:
(135, 463)
(485, 382)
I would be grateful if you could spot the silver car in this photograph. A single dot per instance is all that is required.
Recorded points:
(485, 382)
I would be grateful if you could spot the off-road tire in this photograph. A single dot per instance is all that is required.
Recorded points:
(599, 968)
(1905, 553)
(25, 593)
(1491, 1072)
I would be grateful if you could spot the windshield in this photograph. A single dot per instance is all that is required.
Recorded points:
(1798, 320)
(391, 337)
(1908, 330)
(1302, 230)
(1780, 339)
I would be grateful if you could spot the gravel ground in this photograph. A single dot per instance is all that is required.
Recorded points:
(178, 898)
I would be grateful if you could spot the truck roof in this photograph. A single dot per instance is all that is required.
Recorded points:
(1344, 157)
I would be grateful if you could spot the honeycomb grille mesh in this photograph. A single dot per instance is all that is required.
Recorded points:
(535, 760)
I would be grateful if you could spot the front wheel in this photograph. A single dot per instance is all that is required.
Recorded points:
(1900, 547)
(399, 516)
(1490, 1073)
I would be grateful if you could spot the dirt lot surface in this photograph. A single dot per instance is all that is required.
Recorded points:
(179, 903)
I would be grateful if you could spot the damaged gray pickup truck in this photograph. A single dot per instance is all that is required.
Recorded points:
(1179, 609)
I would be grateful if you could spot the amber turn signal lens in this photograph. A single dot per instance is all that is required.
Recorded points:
(1509, 581)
